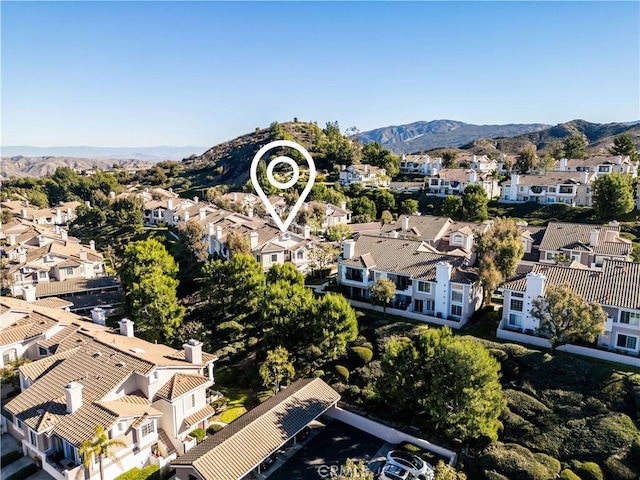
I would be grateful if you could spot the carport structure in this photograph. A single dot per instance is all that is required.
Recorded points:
(240, 447)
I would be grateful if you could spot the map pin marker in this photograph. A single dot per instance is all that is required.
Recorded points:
(283, 226)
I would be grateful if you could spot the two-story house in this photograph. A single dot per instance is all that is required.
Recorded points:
(615, 287)
(599, 165)
(422, 165)
(147, 395)
(571, 188)
(453, 181)
(588, 245)
(430, 286)
(367, 175)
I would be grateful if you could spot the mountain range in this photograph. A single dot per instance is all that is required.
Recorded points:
(153, 154)
(423, 136)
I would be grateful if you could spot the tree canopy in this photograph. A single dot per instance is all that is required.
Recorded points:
(613, 195)
(277, 369)
(574, 146)
(502, 243)
(623, 145)
(565, 317)
(375, 154)
(192, 233)
(382, 291)
(100, 447)
(364, 210)
(474, 204)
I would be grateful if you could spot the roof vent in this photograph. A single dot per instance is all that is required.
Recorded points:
(137, 350)
(97, 355)
(120, 364)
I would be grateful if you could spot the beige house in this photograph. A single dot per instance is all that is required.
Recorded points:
(453, 181)
(367, 175)
(419, 164)
(599, 165)
(571, 188)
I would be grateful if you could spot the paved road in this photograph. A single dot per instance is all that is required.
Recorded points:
(331, 447)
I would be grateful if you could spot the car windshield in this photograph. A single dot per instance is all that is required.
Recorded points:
(408, 458)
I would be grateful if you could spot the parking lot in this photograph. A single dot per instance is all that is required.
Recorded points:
(330, 448)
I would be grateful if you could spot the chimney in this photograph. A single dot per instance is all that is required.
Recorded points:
(112, 195)
(202, 213)
(41, 241)
(563, 164)
(88, 204)
(83, 255)
(64, 235)
(343, 167)
(593, 238)
(211, 229)
(126, 327)
(405, 223)
(535, 284)
(99, 316)
(193, 351)
(306, 230)
(434, 171)
(584, 177)
(253, 240)
(22, 255)
(473, 177)
(250, 212)
(343, 204)
(235, 196)
(12, 240)
(218, 233)
(28, 293)
(169, 204)
(394, 234)
(69, 214)
(366, 168)
(92, 245)
(58, 215)
(23, 213)
(186, 216)
(618, 159)
(73, 395)
(196, 200)
(348, 249)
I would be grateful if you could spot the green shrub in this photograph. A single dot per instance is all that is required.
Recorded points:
(318, 373)
(23, 473)
(360, 356)
(616, 469)
(635, 452)
(567, 474)
(10, 457)
(214, 428)
(518, 463)
(491, 475)
(551, 464)
(500, 355)
(588, 471)
(230, 329)
(152, 472)
(342, 372)
(198, 434)
(523, 404)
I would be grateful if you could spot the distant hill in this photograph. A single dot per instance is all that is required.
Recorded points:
(599, 135)
(19, 166)
(422, 136)
(137, 153)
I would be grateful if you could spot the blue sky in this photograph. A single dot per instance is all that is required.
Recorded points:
(164, 73)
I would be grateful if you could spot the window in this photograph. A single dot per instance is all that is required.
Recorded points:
(550, 256)
(148, 428)
(43, 275)
(121, 426)
(516, 305)
(603, 169)
(274, 257)
(627, 342)
(552, 189)
(515, 320)
(630, 318)
(424, 287)
(43, 351)
(190, 402)
(456, 294)
(33, 438)
(69, 270)
(457, 240)
(300, 254)
(258, 258)
(9, 356)
(456, 310)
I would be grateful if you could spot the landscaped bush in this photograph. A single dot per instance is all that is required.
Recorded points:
(634, 453)
(318, 373)
(230, 329)
(152, 472)
(198, 434)
(360, 356)
(500, 355)
(523, 404)
(616, 469)
(23, 473)
(214, 428)
(10, 457)
(518, 463)
(342, 372)
(588, 471)
(567, 474)
(491, 475)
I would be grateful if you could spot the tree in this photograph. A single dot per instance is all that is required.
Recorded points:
(409, 207)
(526, 159)
(449, 158)
(383, 199)
(128, 215)
(276, 369)
(339, 232)
(613, 195)
(100, 446)
(490, 277)
(386, 217)
(5, 216)
(444, 471)
(448, 383)
(452, 207)
(285, 273)
(192, 233)
(565, 317)
(474, 203)
(623, 145)
(352, 471)
(364, 210)
(337, 320)
(503, 244)
(238, 244)
(322, 255)
(375, 154)
(574, 146)
(9, 374)
(545, 163)
(143, 257)
(7, 279)
(383, 290)
(234, 287)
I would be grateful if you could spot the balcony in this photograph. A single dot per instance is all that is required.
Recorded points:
(59, 462)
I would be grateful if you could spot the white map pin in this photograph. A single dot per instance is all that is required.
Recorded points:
(283, 226)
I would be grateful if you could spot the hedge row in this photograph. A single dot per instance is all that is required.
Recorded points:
(152, 472)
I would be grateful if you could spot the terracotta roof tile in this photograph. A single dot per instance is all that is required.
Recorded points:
(180, 384)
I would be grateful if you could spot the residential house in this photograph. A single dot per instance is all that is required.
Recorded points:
(479, 163)
(453, 181)
(615, 287)
(367, 175)
(588, 245)
(571, 188)
(149, 396)
(599, 165)
(58, 215)
(419, 164)
(430, 286)
(331, 216)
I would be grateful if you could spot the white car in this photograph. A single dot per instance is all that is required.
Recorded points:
(391, 471)
(413, 464)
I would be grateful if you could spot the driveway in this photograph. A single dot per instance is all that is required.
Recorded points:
(330, 448)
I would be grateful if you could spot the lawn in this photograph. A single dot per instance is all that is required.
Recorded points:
(238, 402)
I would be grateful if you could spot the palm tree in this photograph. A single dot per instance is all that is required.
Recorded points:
(100, 446)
